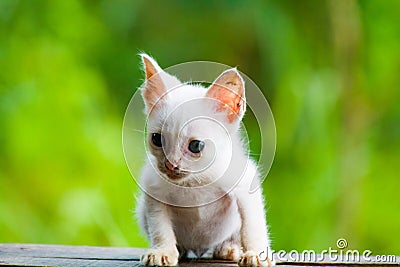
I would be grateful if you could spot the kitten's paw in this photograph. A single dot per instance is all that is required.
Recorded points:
(252, 259)
(227, 252)
(160, 257)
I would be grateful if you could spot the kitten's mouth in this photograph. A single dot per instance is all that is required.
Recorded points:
(175, 174)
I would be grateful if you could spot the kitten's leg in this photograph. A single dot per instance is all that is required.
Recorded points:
(140, 213)
(253, 233)
(163, 250)
(183, 253)
(229, 249)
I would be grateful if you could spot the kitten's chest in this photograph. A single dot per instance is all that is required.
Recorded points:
(205, 213)
(207, 225)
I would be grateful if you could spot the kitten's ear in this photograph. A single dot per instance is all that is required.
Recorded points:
(154, 87)
(228, 90)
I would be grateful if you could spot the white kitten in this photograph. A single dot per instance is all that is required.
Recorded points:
(197, 177)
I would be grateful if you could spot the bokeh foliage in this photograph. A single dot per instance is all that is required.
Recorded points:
(330, 70)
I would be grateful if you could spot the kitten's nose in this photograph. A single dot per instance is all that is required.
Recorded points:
(170, 166)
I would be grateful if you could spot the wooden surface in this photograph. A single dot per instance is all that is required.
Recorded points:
(55, 255)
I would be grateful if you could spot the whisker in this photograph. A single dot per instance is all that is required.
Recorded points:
(197, 179)
(136, 130)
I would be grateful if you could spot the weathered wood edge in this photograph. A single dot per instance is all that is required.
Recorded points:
(62, 251)
(61, 255)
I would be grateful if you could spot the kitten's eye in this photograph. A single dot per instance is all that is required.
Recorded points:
(196, 146)
(156, 138)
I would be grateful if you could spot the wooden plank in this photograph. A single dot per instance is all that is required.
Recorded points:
(67, 262)
(58, 255)
(60, 251)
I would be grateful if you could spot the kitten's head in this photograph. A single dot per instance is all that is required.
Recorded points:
(192, 130)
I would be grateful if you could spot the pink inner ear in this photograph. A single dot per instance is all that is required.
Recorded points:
(154, 87)
(150, 69)
(153, 90)
(228, 101)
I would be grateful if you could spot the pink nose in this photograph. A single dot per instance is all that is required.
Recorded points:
(170, 166)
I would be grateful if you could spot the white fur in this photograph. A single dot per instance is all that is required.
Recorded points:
(220, 214)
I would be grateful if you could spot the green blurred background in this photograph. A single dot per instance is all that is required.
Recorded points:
(330, 70)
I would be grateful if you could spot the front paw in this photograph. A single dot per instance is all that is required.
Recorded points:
(227, 252)
(252, 259)
(161, 257)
